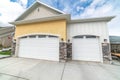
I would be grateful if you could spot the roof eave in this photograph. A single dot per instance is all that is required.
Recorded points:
(59, 17)
(106, 19)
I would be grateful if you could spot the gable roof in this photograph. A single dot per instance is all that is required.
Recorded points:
(33, 6)
(6, 31)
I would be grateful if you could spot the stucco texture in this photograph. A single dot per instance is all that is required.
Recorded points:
(50, 27)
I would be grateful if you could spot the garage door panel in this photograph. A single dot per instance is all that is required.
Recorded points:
(86, 49)
(39, 48)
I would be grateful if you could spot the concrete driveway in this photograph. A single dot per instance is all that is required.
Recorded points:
(31, 69)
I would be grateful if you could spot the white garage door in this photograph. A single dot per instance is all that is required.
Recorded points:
(39, 47)
(85, 48)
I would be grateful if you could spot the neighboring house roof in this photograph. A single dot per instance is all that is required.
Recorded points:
(2, 25)
(33, 6)
(114, 39)
(6, 31)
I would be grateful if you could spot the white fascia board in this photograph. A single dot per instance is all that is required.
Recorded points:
(106, 19)
(52, 18)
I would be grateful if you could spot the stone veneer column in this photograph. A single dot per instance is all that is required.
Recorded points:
(69, 51)
(63, 51)
(106, 52)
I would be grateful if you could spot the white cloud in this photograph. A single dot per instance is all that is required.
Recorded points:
(83, 0)
(79, 8)
(95, 2)
(9, 11)
(24, 1)
(92, 11)
(67, 9)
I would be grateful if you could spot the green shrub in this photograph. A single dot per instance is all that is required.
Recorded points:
(6, 52)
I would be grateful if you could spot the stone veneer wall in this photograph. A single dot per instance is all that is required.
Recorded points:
(65, 51)
(13, 48)
(69, 51)
(106, 52)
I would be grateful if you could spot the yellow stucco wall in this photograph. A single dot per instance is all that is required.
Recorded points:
(52, 27)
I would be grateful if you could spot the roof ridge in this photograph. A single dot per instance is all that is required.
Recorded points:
(36, 3)
(50, 7)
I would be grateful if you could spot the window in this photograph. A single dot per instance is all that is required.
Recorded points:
(78, 36)
(90, 36)
(41, 36)
(32, 36)
(51, 36)
(24, 37)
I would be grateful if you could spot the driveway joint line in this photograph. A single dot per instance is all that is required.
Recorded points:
(63, 71)
(14, 76)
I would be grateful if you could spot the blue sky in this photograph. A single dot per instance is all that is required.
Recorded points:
(11, 9)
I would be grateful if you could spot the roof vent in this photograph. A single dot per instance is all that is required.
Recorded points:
(38, 9)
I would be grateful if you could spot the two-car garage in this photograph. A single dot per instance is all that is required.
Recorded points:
(44, 47)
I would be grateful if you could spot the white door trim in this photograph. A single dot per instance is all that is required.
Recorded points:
(100, 47)
(28, 36)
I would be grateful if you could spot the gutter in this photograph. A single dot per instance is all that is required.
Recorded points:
(52, 18)
(108, 18)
